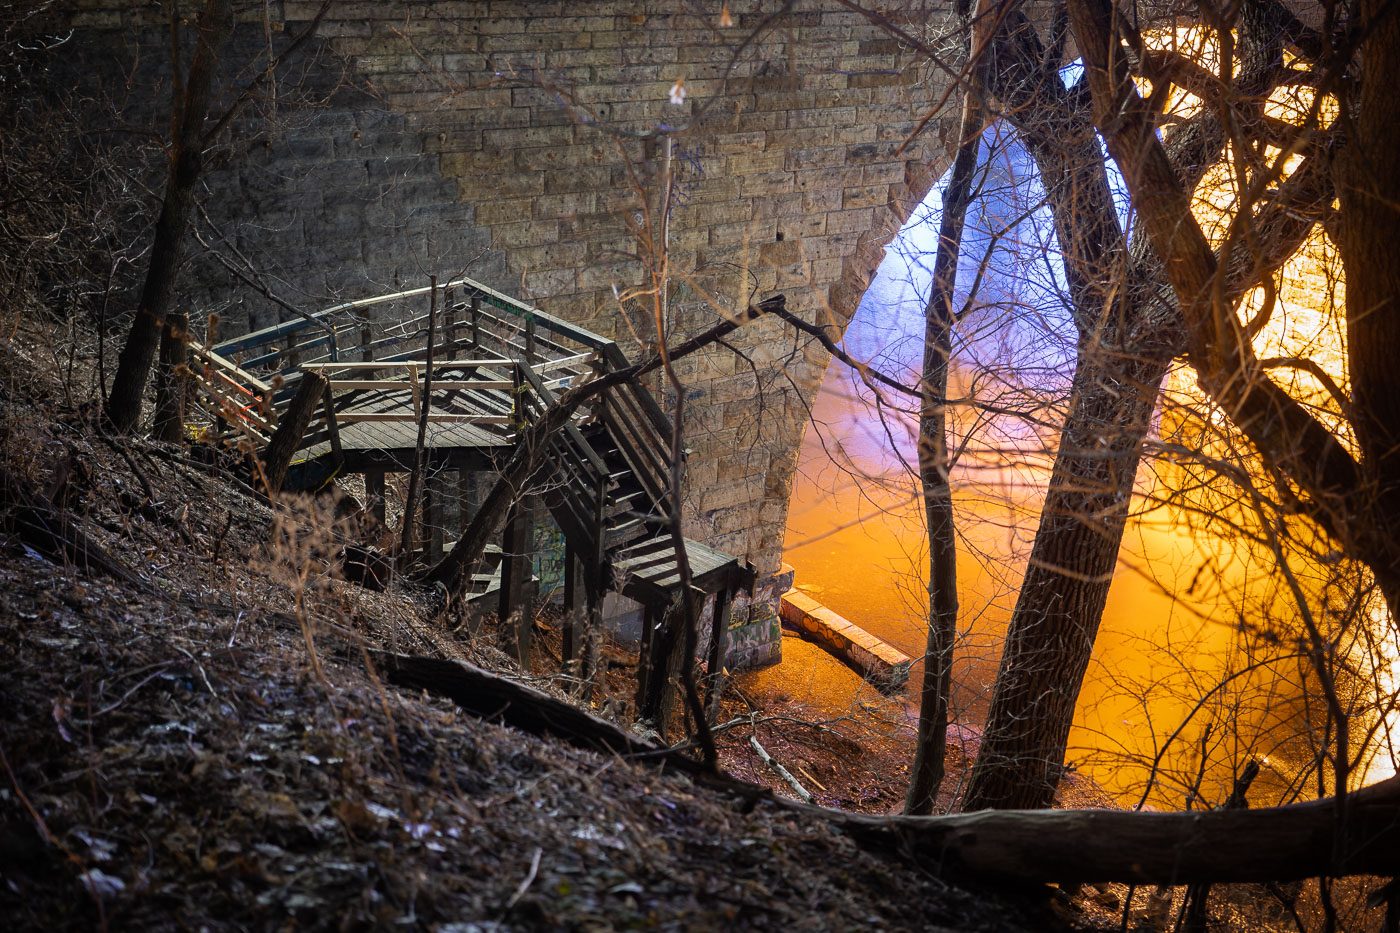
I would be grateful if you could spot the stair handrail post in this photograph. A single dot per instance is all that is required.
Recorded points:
(415, 479)
(600, 518)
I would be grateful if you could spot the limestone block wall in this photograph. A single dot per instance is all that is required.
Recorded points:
(520, 142)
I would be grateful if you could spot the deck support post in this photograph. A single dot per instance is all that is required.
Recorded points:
(466, 499)
(435, 497)
(374, 492)
(652, 617)
(453, 313)
(516, 619)
(573, 603)
(719, 635)
(668, 644)
(332, 428)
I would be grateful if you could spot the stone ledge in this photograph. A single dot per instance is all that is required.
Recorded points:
(879, 662)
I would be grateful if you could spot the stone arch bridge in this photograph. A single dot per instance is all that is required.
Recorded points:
(500, 140)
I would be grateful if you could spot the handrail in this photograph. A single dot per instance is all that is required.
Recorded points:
(469, 287)
(538, 386)
(405, 364)
(616, 359)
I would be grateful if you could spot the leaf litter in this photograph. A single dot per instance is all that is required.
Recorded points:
(200, 757)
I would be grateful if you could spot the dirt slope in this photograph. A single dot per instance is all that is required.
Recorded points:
(203, 746)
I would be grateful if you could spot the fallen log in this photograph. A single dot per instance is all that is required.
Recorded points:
(522, 707)
(55, 534)
(1359, 835)
(1303, 840)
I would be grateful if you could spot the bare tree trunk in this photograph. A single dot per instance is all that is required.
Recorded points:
(170, 381)
(291, 428)
(926, 774)
(1369, 188)
(123, 410)
(1052, 630)
(1127, 339)
(1056, 619)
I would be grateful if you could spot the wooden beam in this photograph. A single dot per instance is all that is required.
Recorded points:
(719, 637)
(352, 365)
(388, 417)
(290, 431)
(574, 606)
(514, 570)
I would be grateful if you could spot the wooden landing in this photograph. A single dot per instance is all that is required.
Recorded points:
(390, 446)
(647, 572)
(378, 426)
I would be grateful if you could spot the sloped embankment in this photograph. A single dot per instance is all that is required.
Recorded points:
(203, 745)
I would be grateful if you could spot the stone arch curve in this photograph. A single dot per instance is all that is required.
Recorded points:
(468, 140)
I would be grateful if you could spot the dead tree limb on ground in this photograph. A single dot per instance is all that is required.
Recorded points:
(1318, 838)
(525, 708)
(54, 533)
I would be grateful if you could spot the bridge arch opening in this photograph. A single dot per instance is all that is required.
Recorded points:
(855, 533)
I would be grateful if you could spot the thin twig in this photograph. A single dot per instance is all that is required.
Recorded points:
(529, 879)
(786, 775)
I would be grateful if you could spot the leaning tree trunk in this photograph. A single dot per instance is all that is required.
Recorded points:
(123, 409)
(1369, 228)
(1052, 630)
(1114, 388)
(927, 772)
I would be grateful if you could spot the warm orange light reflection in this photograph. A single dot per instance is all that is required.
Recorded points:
(1197, 623)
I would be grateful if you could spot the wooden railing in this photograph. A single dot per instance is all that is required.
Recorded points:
(474, 317)
(235, 398)
(489, 345)
(639, 427)
(578, 498)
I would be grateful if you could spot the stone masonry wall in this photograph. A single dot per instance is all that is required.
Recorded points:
(501, 140)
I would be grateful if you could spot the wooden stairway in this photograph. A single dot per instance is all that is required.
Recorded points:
(608, 489)
(497, 366)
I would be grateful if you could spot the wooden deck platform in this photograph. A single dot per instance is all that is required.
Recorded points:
(497, 364)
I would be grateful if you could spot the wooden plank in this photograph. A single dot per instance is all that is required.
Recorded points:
(231, 409)
(408, 364)
(348, 385)
(408, 417)
(227, 365)
(551, 365)
(214, 410)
